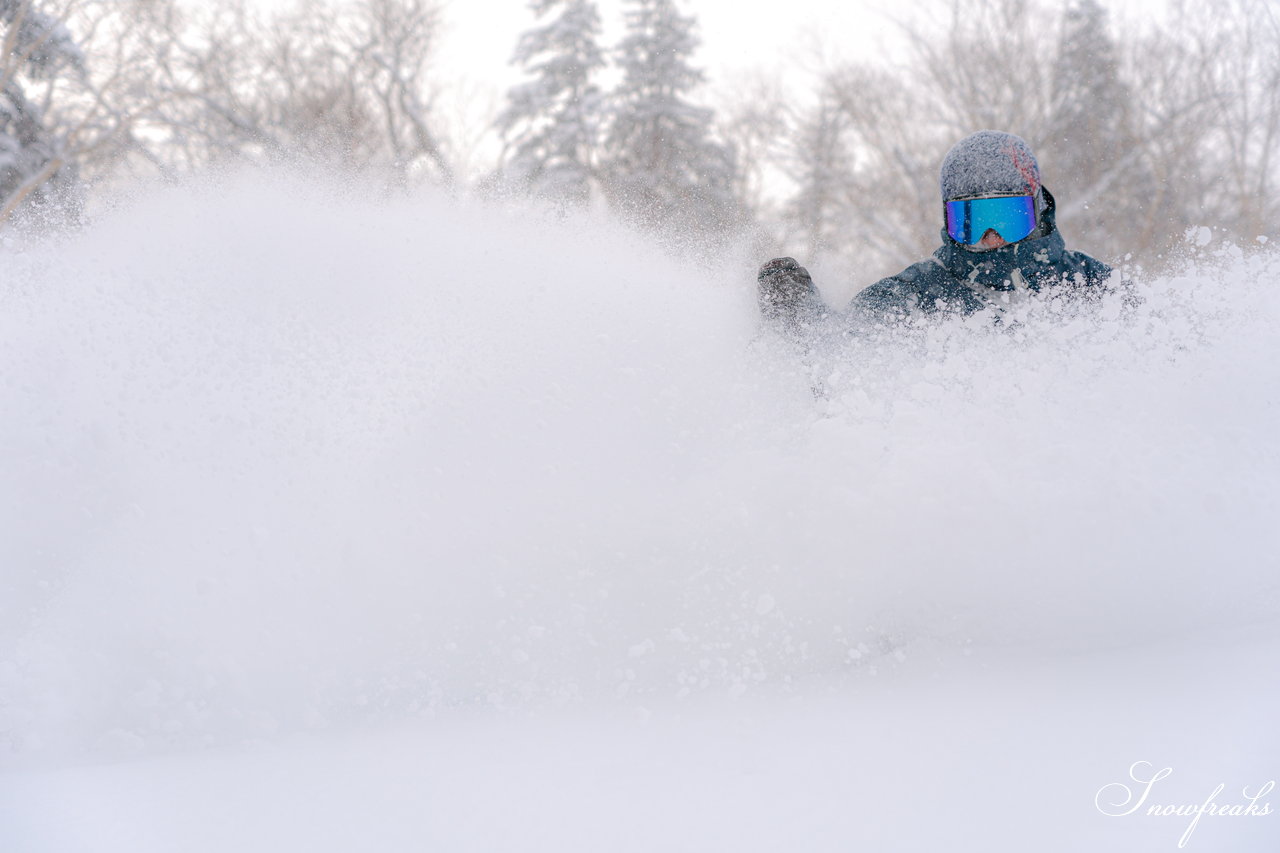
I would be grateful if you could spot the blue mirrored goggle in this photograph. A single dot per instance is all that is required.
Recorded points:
(1013, 217)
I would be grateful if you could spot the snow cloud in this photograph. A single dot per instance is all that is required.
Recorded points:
(276, 459)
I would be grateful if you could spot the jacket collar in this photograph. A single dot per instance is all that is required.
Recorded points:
(1034, 259)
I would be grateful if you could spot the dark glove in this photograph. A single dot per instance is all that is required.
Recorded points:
(784, 289)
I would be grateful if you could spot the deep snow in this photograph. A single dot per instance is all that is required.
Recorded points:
(327, 524)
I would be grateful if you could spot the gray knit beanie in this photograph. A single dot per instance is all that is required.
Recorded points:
(989, 163)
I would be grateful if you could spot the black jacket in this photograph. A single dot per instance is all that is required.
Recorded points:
(955, 279)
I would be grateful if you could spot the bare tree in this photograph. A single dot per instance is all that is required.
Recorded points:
(754, 119)
(1174, 75)
(1092, 152)
(36, 51)
(343, 85)
(1242, 143)
(1142, 134)
(988, 70)
(64, 110)
(394, 43)
(864, 161)
(820, 161)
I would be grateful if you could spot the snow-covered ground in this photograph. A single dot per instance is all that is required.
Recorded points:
(327, 525)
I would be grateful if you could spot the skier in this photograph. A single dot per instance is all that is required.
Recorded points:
(999, 238)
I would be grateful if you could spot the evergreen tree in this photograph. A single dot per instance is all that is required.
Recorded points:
(552, 122)
(664, 169)
(1091, 146)
(34, 170)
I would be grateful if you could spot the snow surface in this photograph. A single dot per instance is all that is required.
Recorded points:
(334, 525)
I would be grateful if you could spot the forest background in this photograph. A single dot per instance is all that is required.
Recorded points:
(1147, 130)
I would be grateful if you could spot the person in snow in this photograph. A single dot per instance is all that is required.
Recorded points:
(999, 238)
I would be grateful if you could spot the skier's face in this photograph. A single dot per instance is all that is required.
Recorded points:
(991, 240)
